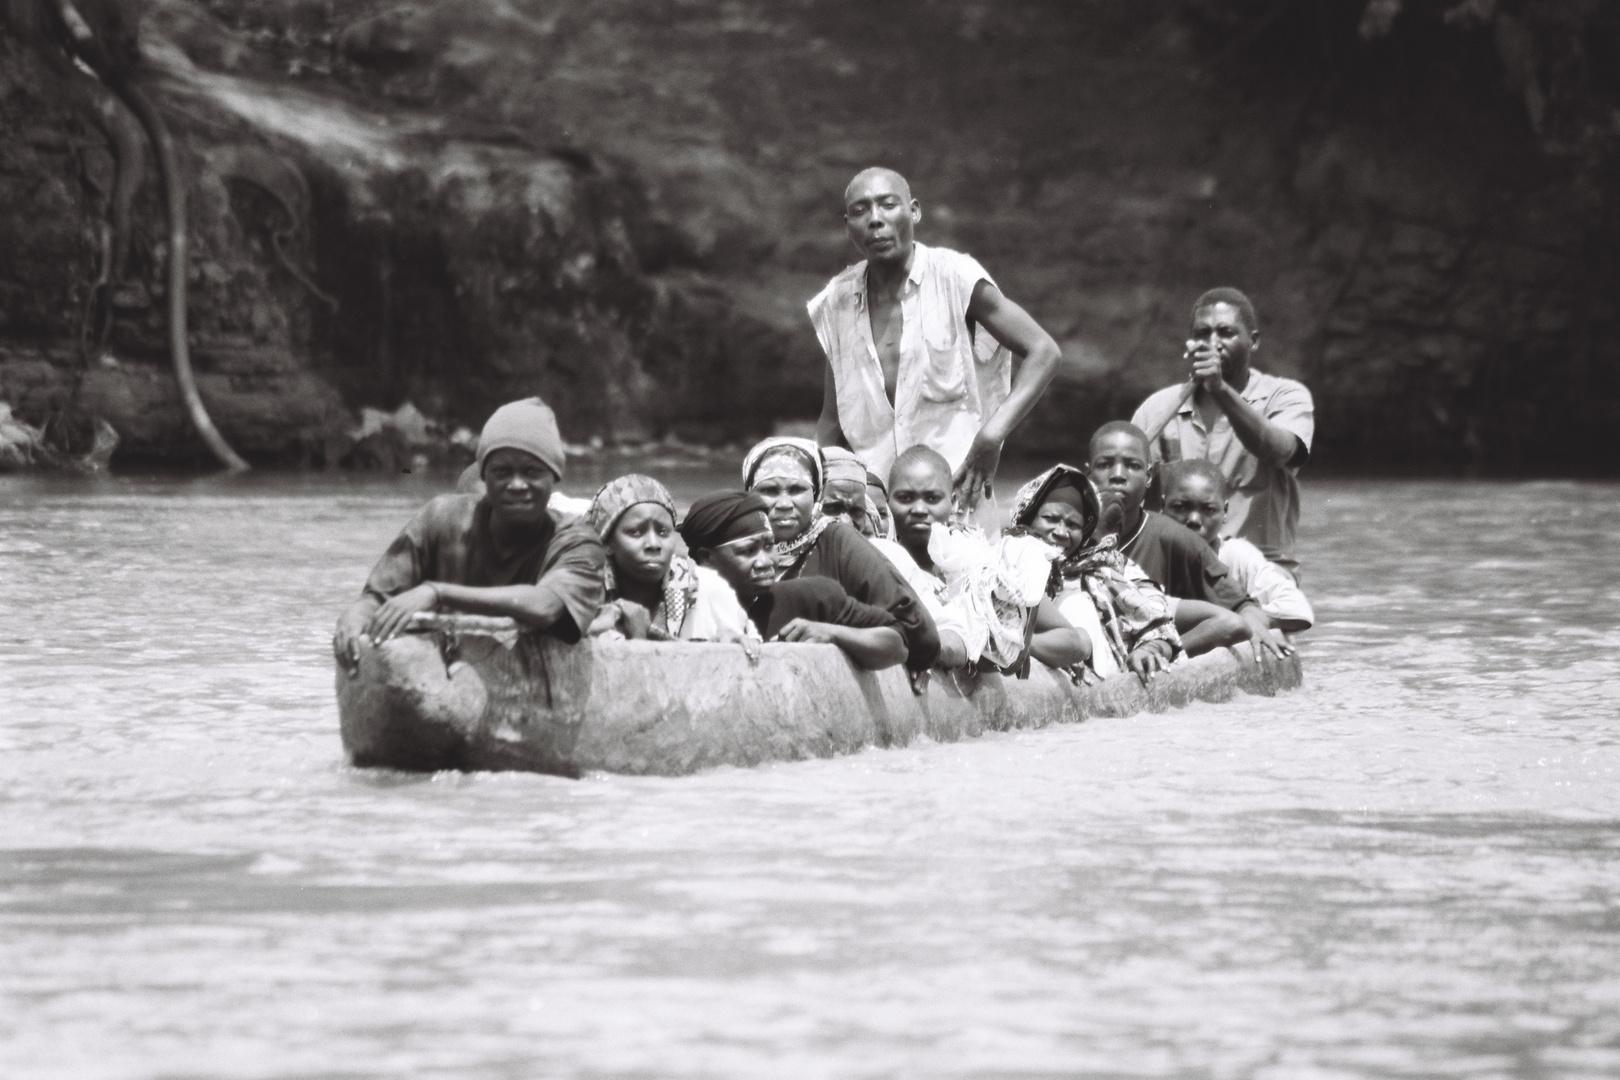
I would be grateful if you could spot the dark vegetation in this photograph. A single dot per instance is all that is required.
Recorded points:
(623, 205)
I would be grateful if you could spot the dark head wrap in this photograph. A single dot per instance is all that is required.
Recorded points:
(721, 516)
(874, 480)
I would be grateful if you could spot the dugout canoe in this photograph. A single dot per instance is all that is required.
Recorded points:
(473, 694)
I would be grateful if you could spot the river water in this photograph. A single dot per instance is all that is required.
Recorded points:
(1407, 869)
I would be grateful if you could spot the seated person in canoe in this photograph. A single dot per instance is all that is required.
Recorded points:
(1195, 495)
(987, 598)
(500, 553)
(787, 474)
(728, 532)
(1175, 557)
(843, 490)
(1097, 587)
(652, 592)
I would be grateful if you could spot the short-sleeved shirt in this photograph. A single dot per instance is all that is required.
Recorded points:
(449, 540)
(1180, 563)
(952, 377)
(1263, 500)
(1272, 587)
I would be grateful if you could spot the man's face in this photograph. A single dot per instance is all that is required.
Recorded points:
(518, 485)
(919, 496)
(748, 565)
(1120, 468)
(1220, 327)
(880, 215)
(846, 501)
(1193, 501)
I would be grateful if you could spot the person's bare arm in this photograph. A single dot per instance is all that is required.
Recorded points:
(1270, 442)
(1204, 627)
(871, 647)
(532, 605)
(1055, 642)
(828, 431)
(1260, 636)
(1015, 328)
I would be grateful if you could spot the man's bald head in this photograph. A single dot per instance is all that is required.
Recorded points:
(881, 179)
(879, 215)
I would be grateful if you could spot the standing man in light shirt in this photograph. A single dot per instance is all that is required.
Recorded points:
(919, 344)
(1255, 427)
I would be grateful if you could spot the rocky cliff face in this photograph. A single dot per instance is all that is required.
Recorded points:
(623, 206)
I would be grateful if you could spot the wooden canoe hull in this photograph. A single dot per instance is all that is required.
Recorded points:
(475, 694)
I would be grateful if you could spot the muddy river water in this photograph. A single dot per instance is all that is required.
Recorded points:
(1407, 869)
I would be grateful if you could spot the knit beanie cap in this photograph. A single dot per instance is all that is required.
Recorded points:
(528, 425)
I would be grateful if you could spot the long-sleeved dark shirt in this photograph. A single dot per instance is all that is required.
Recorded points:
(844, 555)
(818, 599)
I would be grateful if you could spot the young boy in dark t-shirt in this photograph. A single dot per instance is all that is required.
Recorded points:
(1175, 557)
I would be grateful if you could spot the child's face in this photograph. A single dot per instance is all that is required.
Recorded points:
(1121, 469)
(919, 496)
(1193, 501)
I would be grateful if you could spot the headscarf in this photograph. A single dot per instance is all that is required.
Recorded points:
(803, 450)
(790, 552)
(528, 425)
(840, 464)
(617, 496)
(679, 587)
(722, 516)
(1130, 606)
(1041, 490)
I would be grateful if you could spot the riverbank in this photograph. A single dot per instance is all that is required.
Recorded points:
(624, 208)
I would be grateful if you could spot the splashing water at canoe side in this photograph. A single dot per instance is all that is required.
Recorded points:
(1404, 868)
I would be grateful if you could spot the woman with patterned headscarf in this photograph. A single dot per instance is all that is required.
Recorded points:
(788, 474)
(1097, 588)
(651, 591)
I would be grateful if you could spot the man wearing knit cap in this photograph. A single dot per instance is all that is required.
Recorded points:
(502, 552)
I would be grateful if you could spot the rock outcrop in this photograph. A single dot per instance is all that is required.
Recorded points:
(622, 205)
